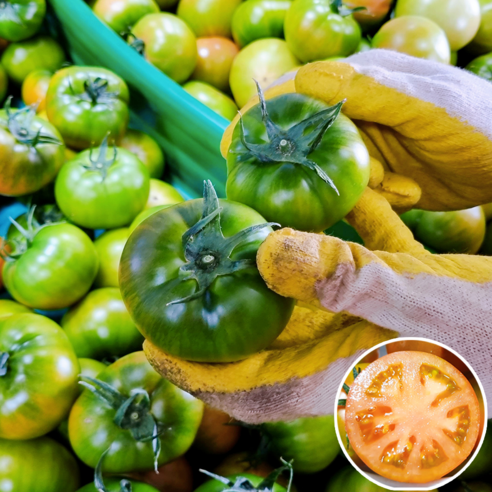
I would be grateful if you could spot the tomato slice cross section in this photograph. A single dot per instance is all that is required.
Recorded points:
(412, 417)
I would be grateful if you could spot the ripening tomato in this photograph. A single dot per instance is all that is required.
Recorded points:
(215, 57)
(35, 88)
(373, 15)
(460, 19)
(21, 19)
(109, 246)
(212, 98)
(482, 66)
(482, 42)
(162, 193)
(265, 61)
(416, 36)
(208, 17)
(168, 44)
(412, 417)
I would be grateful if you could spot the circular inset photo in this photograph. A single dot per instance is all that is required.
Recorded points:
(411, 414)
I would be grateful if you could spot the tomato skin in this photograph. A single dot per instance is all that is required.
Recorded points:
(237, 304)
(482, 66)
(297, 197)
(208, 17)
(8, 308)
(91, 200)
(162, 193)
(35, 87)
(264, 60)
(38, 465)
(113, 485)
(480, 466)
(215, 486)
(56, 270)
(314, 31)
(482, 42)
(215, 57)
(146, 149)
(41, 376)
(259, 19)
(81, 122)
(460, 23)
(374, 15)
(4, 82)
(487, 208)
(214, 99)
(24, 171)
(24, 57)
(109, 246)
(28, 17)
(92, 429)
(120, 15)
(416, 36)
(144, 214)
(169, 44)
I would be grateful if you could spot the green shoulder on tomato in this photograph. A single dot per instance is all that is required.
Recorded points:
(120, 15)
(482, 66)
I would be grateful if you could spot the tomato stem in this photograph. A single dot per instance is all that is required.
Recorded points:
(4, 359)
(96, 91)
(339, 8)
(100, 163)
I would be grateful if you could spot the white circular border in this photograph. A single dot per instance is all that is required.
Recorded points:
(392, 485)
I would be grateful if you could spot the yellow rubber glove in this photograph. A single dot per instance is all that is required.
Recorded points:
(426, 124)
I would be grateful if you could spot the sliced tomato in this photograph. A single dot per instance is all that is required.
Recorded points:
(412, 417)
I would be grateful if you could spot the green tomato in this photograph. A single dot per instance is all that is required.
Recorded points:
(114, 485)
(93, 428)
(146, 149)
(227, 313)
(53, 270)
(102, 188)
(265, 61)
(8, 308)
(23, 57)
(4, 82)
(120, 15)
(38, 465)
(364, 45)
(284, 187)
(259, 19)
(482, 463)
(144, 214)
(416, 36)
(482, 42)
(460, 19)
(162, 193)
(208, 17)
(482, 66)
(212, 98)
(99, 326)
(168, 44)
(38, 376)
(214, 485)
(28, 162)
(311, 442)
(314, 30)
(21, 19)
(109, 247)
(86, 104)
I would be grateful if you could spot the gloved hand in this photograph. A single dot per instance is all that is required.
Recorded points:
(427, 127)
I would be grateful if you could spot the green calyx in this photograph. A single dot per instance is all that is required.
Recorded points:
(100, 163)
(96, 91)
(19, 122)
(4, 359)
(137, 44)
(339, 8)
(132, 413)
(8, 12)
(207, 251)
(295, 144)
(125, 485)
(241, 484)
(355, 372)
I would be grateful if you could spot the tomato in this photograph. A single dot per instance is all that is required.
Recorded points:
(120, 15)
(460, 23)
(24, 57)
(364, 45)
(318, 29)
(168, 43)
(265, 61)
(39, 465)
(374, 13)
(4, 82)
(21, 19)
(215, 434)
(38, 376)
(114, 485)
(31, 152)
(215, 57)
(482, 42)
(240, 463)
(99, 326)
(51, 269)
(214, 485)
(300, 193)
(472, 487)
(102, 188)
(454, 58)
(242, 315)
(35, 87)
(482, 66)
(460, 231)
(487, 208)
(151, 404)
(412, 417)
(109, 247)
(8, 308)
(208, 17)
(214, 99)
(143, 215)
(482, 463)
(162, 193)
(259, 19)
(87, 103)
(146, 149)
(416, 36)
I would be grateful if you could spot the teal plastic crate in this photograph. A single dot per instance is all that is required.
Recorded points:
(187, 130)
